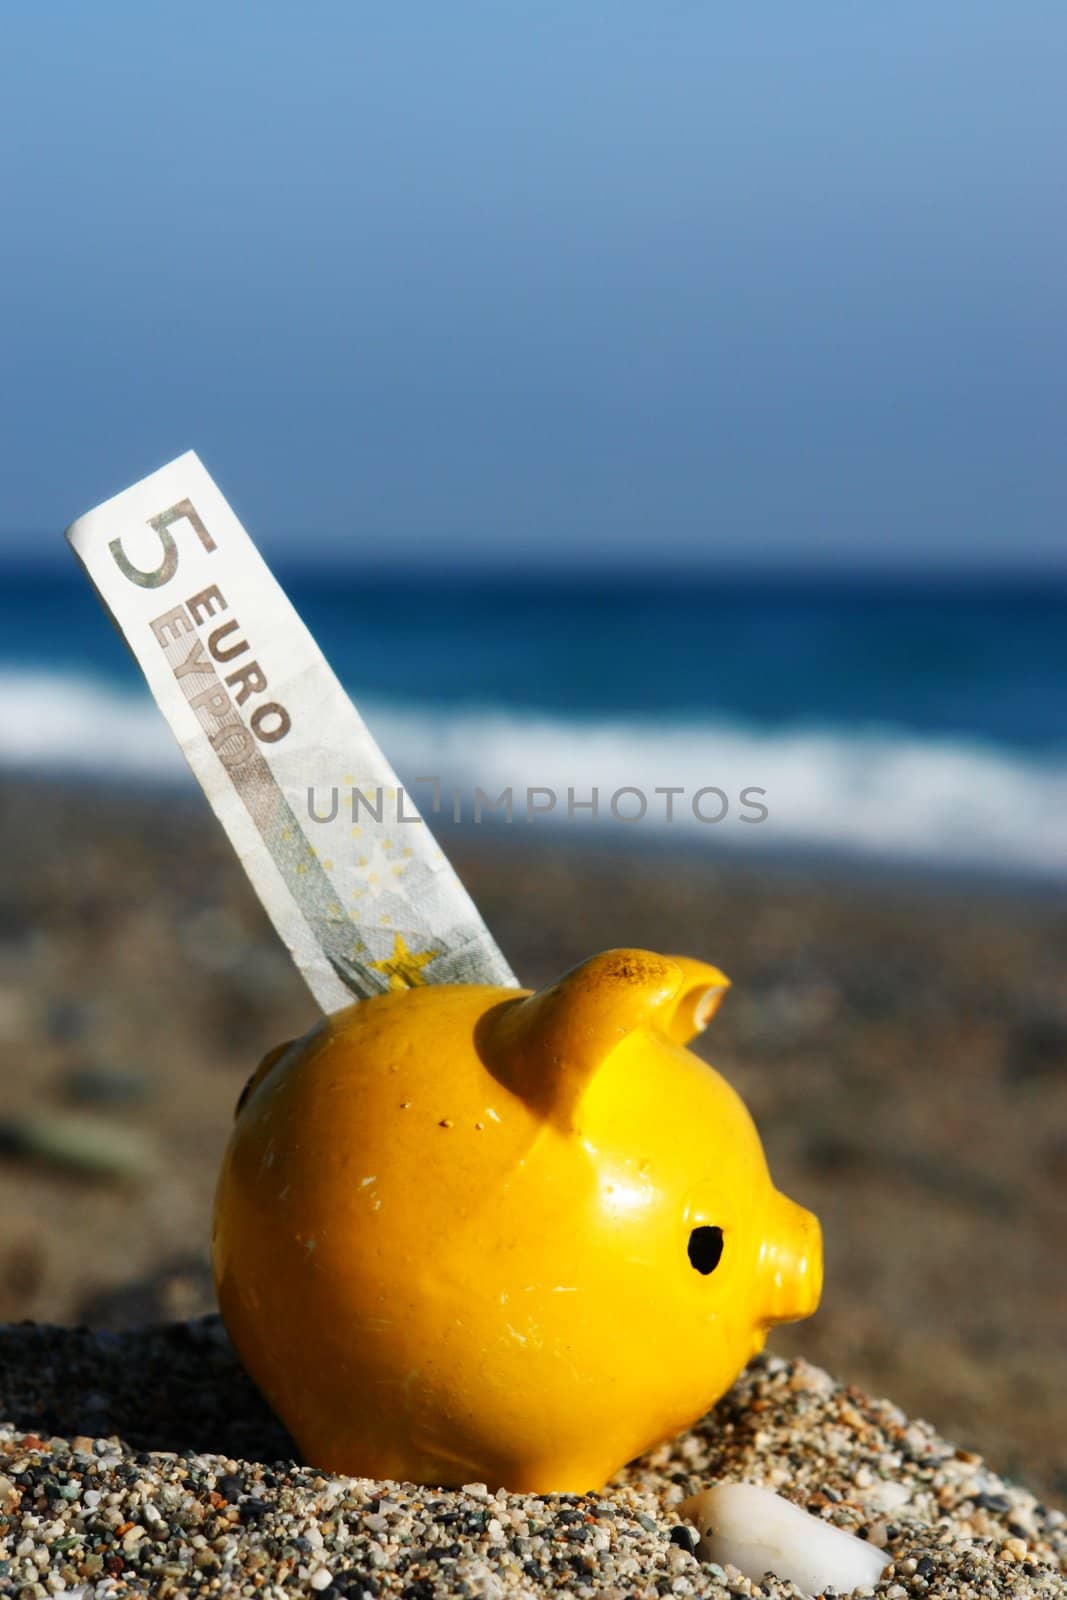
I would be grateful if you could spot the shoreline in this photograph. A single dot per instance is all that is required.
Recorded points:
(713, 853)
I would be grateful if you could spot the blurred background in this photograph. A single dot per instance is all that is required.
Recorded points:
(626, 395)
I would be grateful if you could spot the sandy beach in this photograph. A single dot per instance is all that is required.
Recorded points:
(901, 1042)
(163, 1473)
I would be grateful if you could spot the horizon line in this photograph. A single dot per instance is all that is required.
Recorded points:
(475, 572)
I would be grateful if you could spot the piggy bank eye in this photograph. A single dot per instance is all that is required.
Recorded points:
(705, 1249)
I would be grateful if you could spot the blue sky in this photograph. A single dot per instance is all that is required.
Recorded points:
(544, 282)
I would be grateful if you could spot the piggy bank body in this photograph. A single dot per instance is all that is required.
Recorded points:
(467, 1234)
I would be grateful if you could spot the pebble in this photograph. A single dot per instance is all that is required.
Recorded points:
(105, 1086)
(194, 1490)
(77, 1144)
(757, 1531)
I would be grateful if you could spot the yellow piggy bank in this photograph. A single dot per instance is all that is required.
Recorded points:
(471, 1234)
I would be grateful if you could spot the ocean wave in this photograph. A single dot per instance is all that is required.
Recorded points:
(883, 794)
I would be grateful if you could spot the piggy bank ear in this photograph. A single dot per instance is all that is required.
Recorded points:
(549, 1046)
(699, 997)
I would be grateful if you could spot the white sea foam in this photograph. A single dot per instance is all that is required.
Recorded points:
(876, 793)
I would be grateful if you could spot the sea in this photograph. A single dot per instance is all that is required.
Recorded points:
(919, 722)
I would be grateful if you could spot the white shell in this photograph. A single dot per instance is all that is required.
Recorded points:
(759, 1532)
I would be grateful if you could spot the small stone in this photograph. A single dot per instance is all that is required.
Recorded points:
(758, 1531)
(105, 1086)
(76, 1144)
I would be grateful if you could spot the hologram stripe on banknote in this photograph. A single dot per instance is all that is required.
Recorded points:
(364, 899)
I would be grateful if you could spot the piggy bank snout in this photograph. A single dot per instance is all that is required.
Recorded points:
(790, 1263)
